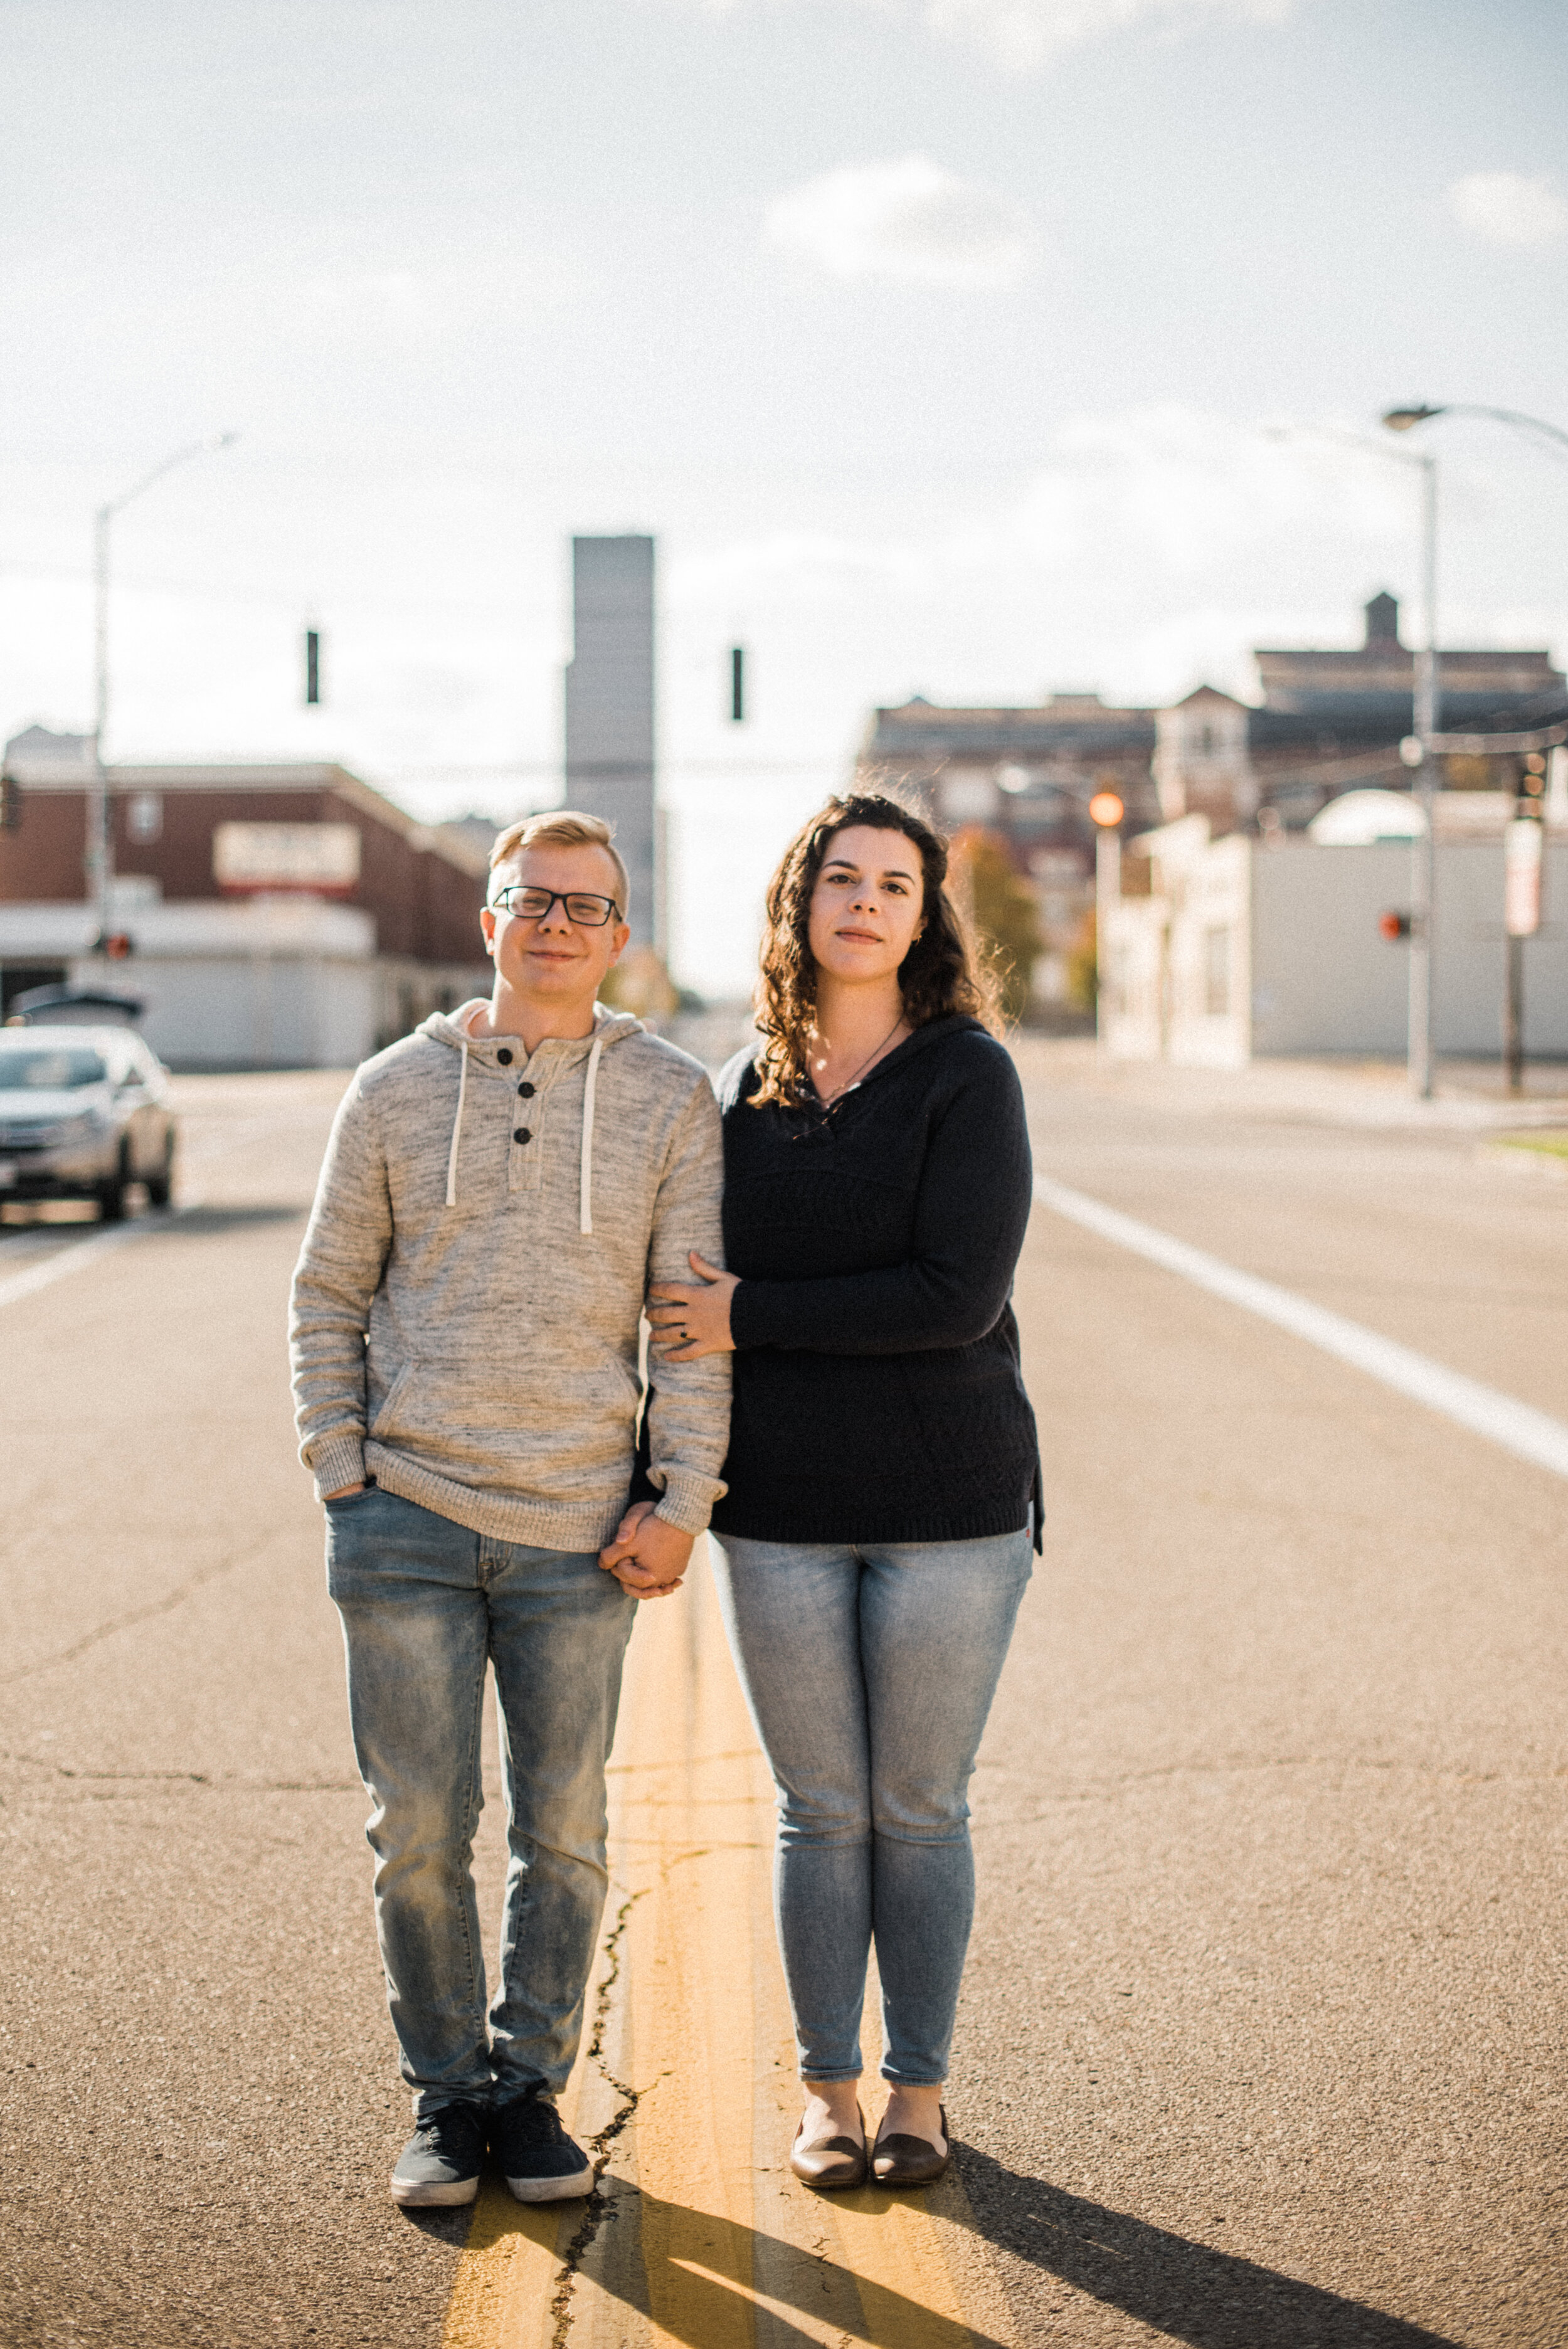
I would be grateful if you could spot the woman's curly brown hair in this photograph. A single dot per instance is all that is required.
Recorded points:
(942, 972)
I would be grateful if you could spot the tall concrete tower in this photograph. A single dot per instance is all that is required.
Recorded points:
(610, 710)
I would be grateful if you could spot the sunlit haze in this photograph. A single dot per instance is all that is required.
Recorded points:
(939, 345)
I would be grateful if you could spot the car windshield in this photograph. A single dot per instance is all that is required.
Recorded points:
(43, 1068)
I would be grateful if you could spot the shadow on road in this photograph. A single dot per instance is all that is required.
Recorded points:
(699, 2278)
(1183, 2290)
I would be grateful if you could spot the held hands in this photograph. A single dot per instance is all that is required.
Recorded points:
(693, 1321)
(648, 1556)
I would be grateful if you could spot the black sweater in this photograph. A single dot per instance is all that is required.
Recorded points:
(878, 1393)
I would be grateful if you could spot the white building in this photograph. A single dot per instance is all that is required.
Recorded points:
(1214, 950)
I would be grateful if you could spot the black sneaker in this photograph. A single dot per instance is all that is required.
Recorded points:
(541, 2162)
(442, 2160)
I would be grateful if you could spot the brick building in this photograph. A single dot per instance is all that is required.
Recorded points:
(277, 915)
(1326, 721)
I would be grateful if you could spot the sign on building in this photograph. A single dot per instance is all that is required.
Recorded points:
(323, 858)
(1522, 842)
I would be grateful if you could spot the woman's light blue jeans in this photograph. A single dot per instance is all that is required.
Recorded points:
(424, 1605)
(870, 1669)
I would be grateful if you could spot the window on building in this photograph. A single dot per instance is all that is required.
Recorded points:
(1217, 972)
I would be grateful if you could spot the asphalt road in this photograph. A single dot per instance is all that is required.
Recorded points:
(1262, 2043)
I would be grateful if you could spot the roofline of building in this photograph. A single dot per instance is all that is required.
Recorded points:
(273, 775)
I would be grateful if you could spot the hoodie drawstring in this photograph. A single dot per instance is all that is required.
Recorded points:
(457, 1129)
(585, 1185)
(585, 1189)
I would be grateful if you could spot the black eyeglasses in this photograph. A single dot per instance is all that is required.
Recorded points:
(582, 907)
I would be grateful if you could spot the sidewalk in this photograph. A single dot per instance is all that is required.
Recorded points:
(1469, 1096)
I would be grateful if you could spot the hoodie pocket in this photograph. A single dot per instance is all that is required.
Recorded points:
(384, 1422)
(562, 1433)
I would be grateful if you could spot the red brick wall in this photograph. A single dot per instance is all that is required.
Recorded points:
(422, 904)
(43, 857)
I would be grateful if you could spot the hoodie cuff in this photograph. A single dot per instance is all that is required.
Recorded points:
(336, 1461)
(688, 1500)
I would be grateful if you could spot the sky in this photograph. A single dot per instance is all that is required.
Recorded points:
(977, 349)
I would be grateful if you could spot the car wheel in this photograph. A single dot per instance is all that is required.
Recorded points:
(161, 1186)
(111, 1194)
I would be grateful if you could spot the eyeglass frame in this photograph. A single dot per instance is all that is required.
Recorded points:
(498, 905)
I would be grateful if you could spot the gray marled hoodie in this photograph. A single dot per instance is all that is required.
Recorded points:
(464, 1319)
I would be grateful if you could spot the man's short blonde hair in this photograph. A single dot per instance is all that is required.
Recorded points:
(563, 828)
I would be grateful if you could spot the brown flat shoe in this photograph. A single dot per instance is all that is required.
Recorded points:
(832, 2166)
(902, 2160)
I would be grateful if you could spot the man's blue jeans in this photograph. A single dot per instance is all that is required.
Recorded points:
(870, 1669)
(424, 1605)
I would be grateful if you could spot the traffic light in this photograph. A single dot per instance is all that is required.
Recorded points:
(1394, 926)
(312, 668)
(736, 684)
(114, 945)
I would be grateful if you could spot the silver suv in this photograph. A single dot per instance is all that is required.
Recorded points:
(84, 1113)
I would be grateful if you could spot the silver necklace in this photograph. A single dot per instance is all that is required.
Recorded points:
(855, 1074)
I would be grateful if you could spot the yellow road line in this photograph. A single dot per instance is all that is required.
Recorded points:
(698, 2236)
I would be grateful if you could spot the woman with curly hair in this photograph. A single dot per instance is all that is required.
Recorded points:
(883, 1477)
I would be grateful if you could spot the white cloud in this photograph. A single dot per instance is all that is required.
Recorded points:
(1509, 207)
(910, 221)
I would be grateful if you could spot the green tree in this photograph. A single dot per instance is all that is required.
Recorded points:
(1000, 902)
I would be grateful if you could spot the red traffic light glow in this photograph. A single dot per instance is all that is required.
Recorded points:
(1394, 926)
(1105, 809)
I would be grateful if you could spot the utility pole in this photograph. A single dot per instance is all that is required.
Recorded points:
(1416, 750)
(100, 858)
(1406, 420)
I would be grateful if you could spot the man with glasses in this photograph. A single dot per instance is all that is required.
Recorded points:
(499, 1191)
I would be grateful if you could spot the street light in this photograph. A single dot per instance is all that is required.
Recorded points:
(100, 832)
(1419, 755)
(1405, 419)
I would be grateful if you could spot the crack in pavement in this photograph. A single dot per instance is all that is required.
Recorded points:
(230, 1781)
(600, 2210)
(1108, 1790)
(165, 1606)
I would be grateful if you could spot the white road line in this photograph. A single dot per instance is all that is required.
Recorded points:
(1530, 1435)
(77, 1255)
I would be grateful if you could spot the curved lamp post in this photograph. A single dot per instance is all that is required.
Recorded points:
(100, 832)
(1419, 1045)
(1405, 419)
